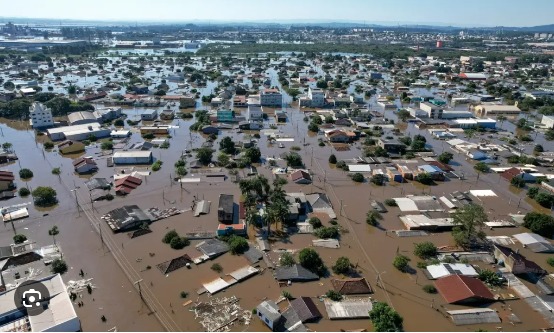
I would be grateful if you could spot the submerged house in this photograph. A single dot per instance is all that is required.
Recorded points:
(225, 208)
(515, 262)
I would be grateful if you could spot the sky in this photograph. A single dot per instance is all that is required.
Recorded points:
(466, 13)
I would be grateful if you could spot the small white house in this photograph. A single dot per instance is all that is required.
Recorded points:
(268, 312)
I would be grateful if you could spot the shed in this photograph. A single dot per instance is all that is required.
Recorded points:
(294, 273)
(352, 286)
(203, 207)
(306, 309)
(534, 242)
(474, 316)
(132, 157)
(443, 269)
(350, 308)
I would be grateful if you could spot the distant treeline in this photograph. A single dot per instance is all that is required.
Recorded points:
(383, 51)
(61, 106)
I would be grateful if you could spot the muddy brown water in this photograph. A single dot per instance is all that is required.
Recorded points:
(372, 249)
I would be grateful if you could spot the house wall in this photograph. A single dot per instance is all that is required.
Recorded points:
(4, 185)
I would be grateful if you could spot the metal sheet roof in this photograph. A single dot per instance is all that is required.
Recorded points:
(350, 308)
(474, 316)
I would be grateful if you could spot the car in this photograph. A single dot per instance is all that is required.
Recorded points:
(281, 145)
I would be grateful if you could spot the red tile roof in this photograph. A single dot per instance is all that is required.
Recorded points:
(6, 176)
(351, 286)
(459, 289)
(511, 173)
(128, 181)
(299, 174)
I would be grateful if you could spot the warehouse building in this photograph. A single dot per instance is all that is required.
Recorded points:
(132, 157)
(81, 117)
(78, 132)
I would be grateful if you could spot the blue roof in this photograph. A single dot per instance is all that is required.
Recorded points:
(430, 168)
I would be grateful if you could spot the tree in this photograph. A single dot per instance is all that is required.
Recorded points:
(58, 266)
(322, 84)
(216, 268)
(424, 178)
(545, 199)
(327, 232)
(25, 173)
(223, 159)
(72, 89)
(334, 295)
(518, 182)
(425, 250)
(385, 319)
(357, 177)
(252, 155)
(418, 143)
(445, 157)
(169, 236)
(312, 127)
(287, 260)
(550, 261)
(342, 266)
(401, 262)
(293, 159)
(538, 149)
(237, 244)
(177, 243)
(490, 278)
(539, 223)
(378, 179)
(315, 222)
(44, 196)
(403, 115)
(48, 145)
(54, 231)
(119, 123)
(19, 238)
(430, 289)
(469, 221)
(204, 155)
(332, 159)
(482, 167)
(532, 192)
(372, 217)
(227, 145)
(390, 202)
(107, 145)
(23, 192)
(311, 260)
(56, 171)
(181, 171)
(9, 85)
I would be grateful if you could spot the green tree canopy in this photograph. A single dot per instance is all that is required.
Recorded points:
(311, 260)
(385, 319)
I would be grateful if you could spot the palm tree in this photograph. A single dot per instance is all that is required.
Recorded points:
(53, 232)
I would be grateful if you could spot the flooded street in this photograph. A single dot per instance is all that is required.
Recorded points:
(371, 249)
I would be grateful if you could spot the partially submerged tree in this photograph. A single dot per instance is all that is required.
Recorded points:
(468, 222)
(385, 319)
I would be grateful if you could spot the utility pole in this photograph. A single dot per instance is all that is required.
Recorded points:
(140, 290)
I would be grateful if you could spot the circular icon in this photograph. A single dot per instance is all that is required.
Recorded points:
(31, 297)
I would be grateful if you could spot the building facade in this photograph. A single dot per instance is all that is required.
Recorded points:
(40, 116)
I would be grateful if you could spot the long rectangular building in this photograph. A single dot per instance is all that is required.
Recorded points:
(132, 157)
(78, 132)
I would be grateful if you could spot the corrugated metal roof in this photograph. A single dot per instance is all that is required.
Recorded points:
(474, 316)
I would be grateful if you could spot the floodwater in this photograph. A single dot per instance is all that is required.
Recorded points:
(116, 262)
(372, 249)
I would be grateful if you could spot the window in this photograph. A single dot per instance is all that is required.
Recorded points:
(266, 321)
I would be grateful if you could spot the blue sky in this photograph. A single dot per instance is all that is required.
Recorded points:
(455, 12)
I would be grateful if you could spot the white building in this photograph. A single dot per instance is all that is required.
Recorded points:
(132, 157)
(78, 132)
(254, 113)
(149, 115)
(59, 315)
(81, 117)
(548, 121)
(316, 97)
(443, 269)
(40, 116)
(271, 97)
(433, 111)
